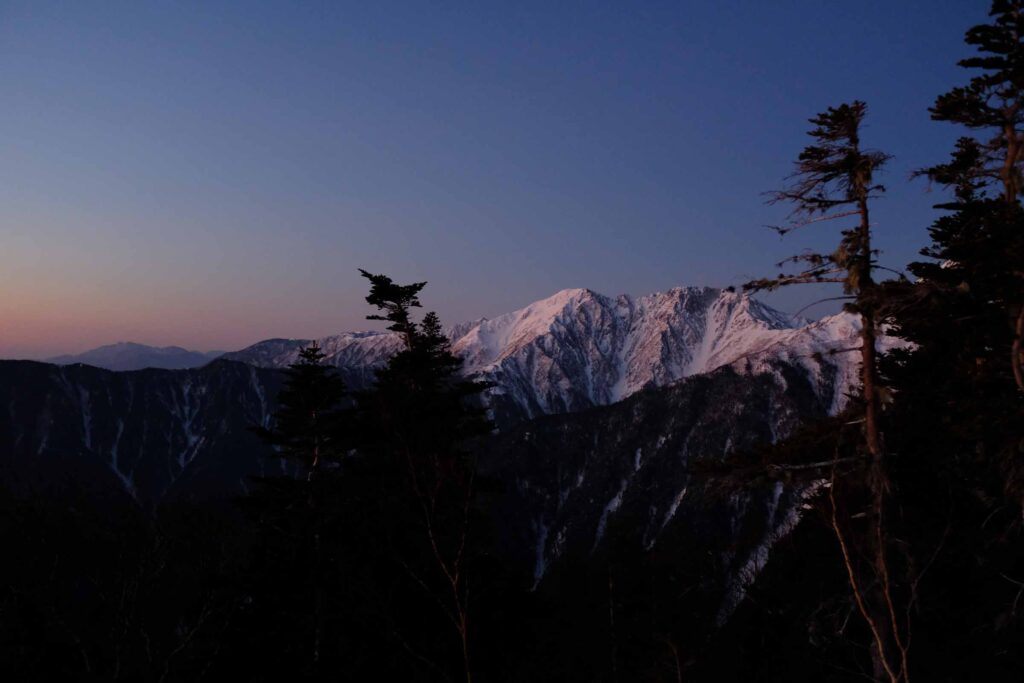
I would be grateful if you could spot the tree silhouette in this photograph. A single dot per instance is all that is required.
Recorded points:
(421, 415)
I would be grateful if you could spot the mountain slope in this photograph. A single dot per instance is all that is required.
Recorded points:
(569, 481)
(635, 466)
(579, 349)
(132, 356)
(150, 433)
(565, 492)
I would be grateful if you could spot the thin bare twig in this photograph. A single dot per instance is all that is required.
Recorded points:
(821, 301)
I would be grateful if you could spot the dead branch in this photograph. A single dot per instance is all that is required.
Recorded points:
(887, 594)
(821, 301)
(855, 586)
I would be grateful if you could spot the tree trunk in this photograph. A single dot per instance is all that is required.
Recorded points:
(868, 355)
(889, 653)
(869, 378)
(1009, 177)
(1017, 354)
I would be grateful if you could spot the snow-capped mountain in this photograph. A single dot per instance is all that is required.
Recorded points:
(131, 356)
(578, 349)
(356, 354)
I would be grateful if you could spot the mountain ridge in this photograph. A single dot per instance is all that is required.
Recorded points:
(126, 356)
(578, 348)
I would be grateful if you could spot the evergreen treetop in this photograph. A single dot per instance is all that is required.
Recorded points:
(833, 179)
(993, 99)
(307, 424)
(394, 301)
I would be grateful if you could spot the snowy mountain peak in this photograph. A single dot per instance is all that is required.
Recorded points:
(577, 348)
(491, 340)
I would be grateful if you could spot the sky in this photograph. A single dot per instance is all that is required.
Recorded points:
(209, 174)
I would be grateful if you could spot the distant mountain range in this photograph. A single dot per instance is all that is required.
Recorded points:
(131, 356)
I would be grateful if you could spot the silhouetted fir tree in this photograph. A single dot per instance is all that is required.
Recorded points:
(420, 415)
(955, 315)
(300, 517)
(958, 415)
(993, 102)
(307, 425)
(394, 301)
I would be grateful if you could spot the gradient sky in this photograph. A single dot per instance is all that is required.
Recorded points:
(210, 174)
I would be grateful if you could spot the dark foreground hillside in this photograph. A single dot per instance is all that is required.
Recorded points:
(170, 579)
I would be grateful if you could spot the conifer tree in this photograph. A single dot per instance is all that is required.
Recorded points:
(394, 301)
(992, 103)
(300, 515)
(306, 425)
(421, 415)
(958, 414)
(835, 179)
(965, 313)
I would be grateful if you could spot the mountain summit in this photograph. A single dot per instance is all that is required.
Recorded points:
(132, 356)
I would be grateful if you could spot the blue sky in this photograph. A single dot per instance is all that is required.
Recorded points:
(210, 174)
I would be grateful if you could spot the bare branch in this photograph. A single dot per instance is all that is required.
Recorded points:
(855, 585)
(821, 301)
(902, 274)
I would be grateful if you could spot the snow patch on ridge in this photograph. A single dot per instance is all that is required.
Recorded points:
(781, 520)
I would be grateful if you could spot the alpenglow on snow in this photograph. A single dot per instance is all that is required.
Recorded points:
(578, 349)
